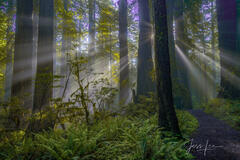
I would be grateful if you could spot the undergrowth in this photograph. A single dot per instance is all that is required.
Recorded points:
(84, 128)
(224, 109)
(120, 138)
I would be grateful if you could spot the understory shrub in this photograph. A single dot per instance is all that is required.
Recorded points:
(120, 138)
(224, 109)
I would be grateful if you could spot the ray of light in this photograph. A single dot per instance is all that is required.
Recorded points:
(195, 72)
(233, 79)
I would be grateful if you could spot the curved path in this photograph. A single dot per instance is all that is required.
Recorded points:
(214, 139)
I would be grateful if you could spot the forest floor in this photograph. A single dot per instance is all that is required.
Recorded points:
(214, 139)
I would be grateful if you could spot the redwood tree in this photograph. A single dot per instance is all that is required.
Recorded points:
(167, 116)
(92, 27)
(22, 68)
(228, 15)
(145, 62)
(124, 69)
(44, 77)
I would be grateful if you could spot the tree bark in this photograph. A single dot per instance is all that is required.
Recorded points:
(172, 52)
(228, 44)
(167, 115)
(92, 29)
(170, 10)
(64, 50)
(238, 25)
(44, 77)
(213, 47)
(145, 61)
(123, 40)
(55, 89)
(22, 68)
(35, 40)
(203, 60)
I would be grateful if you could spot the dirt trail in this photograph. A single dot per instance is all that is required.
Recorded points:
(214, 139)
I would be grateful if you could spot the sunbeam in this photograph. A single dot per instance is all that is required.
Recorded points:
(195, 72)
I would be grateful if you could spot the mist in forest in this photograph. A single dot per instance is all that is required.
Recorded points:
(129, 73)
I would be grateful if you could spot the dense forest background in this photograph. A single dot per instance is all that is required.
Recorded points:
(114, 79)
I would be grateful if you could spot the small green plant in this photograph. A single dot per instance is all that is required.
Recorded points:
(13, 114)
(90, 97)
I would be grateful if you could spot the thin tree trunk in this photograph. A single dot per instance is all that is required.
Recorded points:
(35, 40)
(92, 33)
(110, 55)
(167, 115)
(64, 50)
(54, 53)
(203, 62)
(80, 39)
(171, 41)
(183, 71)
(213, 47)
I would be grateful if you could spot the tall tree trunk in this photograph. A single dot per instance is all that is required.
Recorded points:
(145, 61)
(203, 60)
(183, 72)
(170, 10)
(213, 47)
(110, 54)
(44, 77)
(92, 30)
(171, 41)
(227, 29)
(123, 39)
(167, 115)
(22, 68)
(9, 59)
(238, 26)
(64, 50)
(80, 39)
(35, 40)
(55, 90)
